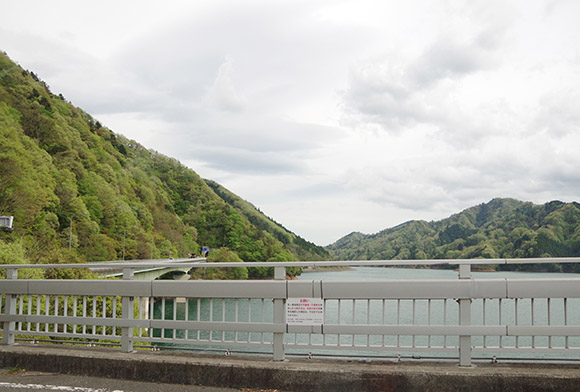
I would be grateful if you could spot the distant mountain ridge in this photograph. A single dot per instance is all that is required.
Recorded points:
(501, 228)
(81, 193)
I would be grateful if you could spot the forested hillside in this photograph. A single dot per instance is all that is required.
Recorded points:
(297, 245)
(502, 228)
(80, 192)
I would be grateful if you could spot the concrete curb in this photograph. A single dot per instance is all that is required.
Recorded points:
(295, 375)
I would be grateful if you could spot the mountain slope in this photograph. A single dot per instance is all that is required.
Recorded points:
(502, 228)
(299, 246)
(72, 183)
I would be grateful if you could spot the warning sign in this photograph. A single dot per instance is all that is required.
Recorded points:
(304, 311)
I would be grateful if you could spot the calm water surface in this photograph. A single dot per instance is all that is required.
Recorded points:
(374, 273)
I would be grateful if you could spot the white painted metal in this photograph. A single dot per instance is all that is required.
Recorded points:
(415, 330)
(6, 222)
(279, 317)
(464, 315)
(179, 263)
(543, 288)
(10, 302)
(218, 289)
(89, 287)
(415, 289)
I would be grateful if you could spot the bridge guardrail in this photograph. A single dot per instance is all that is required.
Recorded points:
(465, 315)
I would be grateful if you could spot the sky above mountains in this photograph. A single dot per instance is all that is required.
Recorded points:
(330, 116)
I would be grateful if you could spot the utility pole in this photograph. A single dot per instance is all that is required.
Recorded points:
(70, 229)
(124, 233)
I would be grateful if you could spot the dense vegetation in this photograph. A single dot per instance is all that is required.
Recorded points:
(502, 228)
(82, 193)
(297, 245)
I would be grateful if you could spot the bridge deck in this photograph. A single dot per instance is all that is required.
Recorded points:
(110, 270)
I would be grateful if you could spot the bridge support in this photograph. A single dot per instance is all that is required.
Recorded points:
(279, 318)
(127, 313)
(10, 309)
(465, 319)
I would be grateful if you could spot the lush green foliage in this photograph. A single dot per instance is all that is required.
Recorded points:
(502, 228)
(223, 255)
(72, 183)
(297, 245)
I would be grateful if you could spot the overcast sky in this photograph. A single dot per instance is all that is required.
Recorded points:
(330, 116)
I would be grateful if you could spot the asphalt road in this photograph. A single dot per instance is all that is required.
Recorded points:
(16, 380)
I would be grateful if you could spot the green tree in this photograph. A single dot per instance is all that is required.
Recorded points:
(222, 255)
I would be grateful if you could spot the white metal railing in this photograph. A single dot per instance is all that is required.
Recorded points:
(427, 317)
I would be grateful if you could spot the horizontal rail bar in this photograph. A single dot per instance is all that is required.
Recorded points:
(180, 344)
(385, 289)
(392, 349)
(541, 288)
(415, 289)
(544, 330)
(138, 323)
(346, 329)
(71, 320)
(410, 330)
(154, 288)
(72, 335)
(90, 287)
(218, 289)
(217, 326)
(165, 263)
(528, 350)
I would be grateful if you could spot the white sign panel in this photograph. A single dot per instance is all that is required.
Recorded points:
(304, 311)
(6, 222)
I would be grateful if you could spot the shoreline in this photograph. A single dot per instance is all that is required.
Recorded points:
(328, 269)
(475, 268)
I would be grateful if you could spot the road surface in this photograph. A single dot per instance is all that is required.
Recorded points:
(18, 380)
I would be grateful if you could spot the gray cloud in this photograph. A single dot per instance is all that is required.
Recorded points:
(233, 161)
(380, 94)
(400, 90)
(559, 111)
(447, 58)
(394, 95)
(223, 93)
(269, 146)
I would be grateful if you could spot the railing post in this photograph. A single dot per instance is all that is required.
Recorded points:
(465, 319)
(127, 314)
(10, 309)
(279, 318)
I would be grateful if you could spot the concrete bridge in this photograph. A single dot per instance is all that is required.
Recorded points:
(147, 269)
